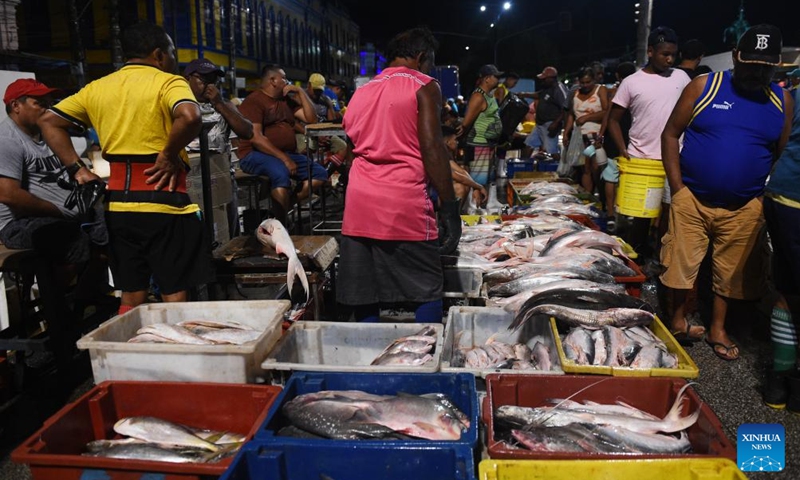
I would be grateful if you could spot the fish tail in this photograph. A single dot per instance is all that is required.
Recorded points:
(673, 421)
(296, 270)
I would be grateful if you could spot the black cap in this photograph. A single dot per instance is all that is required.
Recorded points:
(760, 44)
(336, 83)
(662, 35)
(487, 70)
(203, 67)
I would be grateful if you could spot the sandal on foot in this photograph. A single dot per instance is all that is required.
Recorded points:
(727, 355)
(685, 337)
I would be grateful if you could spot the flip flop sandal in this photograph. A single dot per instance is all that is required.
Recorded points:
(725, 356)
(684, 337)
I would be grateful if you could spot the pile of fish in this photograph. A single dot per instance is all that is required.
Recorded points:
(155, 439)
(553, 198)
(197, 332)
(496, 354)
(570, 426)
(634, 347)
(413, 350)
(357, 415)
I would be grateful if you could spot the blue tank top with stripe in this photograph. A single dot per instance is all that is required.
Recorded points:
(729, 143)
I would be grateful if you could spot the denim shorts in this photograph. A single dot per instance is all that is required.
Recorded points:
(257, 163)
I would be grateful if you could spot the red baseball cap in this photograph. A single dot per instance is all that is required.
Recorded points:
(548, 72)
(26, 87)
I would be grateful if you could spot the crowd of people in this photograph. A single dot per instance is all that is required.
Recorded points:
(729, 144)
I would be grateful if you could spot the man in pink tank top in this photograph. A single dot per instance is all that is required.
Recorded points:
(390, 239)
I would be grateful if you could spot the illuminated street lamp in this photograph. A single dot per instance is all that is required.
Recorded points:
(466, 48)
(491, 25)
(483, 8)
(506, 5)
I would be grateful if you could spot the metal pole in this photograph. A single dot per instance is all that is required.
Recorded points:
(643, 31)
(78, 53)
(232, 51)
(117, 58)
(205, 176)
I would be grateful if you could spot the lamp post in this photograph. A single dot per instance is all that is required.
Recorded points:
(529, 29)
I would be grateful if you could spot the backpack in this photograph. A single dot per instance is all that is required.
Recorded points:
(512, 112)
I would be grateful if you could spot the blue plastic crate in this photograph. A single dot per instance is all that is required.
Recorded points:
(520, 166)
(547, 166)
(459, 387)
(344, 460)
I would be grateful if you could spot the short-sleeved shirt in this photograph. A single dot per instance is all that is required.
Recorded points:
(650, 97)
(552, 103)
(34, 165)
(276, 116)
(131, 110)
(334, 99)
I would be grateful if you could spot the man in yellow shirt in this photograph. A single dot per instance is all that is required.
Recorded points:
(144, 115)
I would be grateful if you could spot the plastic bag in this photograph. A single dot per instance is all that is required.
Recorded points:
(571, 153)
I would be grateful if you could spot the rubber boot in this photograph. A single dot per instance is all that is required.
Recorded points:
(493, 205)
(793, 402)
(776, 389)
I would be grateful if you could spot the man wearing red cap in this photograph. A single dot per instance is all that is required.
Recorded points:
(34, 186)
(550, 111)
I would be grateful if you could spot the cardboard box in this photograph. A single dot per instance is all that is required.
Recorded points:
(221, 188)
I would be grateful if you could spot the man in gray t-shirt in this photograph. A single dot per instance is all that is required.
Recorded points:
(34, 185)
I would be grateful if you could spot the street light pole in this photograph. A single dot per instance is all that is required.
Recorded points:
(529, 29)
(643, 30)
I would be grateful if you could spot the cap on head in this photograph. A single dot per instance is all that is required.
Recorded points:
(760, 44)
(661, 35)
(316, 81)
(26, 87)
(459, 97)
(203, 67)
(487, 70)
(548, 72)
(794, 73)
(336, 83)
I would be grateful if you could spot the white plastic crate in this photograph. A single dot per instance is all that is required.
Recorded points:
(462, 282)
(115, 359)
(481, 323)
(345, 347)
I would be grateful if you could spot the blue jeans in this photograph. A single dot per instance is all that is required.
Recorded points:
(258, 163)
(539, 138)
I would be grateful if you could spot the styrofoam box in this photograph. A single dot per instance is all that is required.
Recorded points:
(462, 282)
(481, 323)
(345, 347)
(115, 359)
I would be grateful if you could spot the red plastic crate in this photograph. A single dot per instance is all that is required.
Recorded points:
(54, 452)
(633, 285)
(654, 395)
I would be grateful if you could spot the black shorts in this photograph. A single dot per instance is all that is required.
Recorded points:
(174, 249)
(383, 271)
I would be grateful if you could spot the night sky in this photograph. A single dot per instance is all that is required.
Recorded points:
(601, 29)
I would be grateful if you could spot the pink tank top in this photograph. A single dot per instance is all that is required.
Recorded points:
(387, 192)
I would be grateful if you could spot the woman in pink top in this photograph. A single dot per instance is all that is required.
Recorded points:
(390, 249)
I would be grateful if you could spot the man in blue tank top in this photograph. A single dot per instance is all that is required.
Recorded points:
(735, 124)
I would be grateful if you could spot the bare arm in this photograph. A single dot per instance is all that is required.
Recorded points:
(614, 129)
(463, 177)
(54, 132)
(22, 203)
(434, 152)
(788, 107)
(242, 127)
(186, 125)
(476, 105)
(596, 117)
(306, 113)
(677, 123)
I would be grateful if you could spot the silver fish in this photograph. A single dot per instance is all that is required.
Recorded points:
(584, 239)
(231, 335)
(579, 347)
(619, 408)
(541, 357)
(621, 349)
(147, 451)
(150, 338)
(647, 357)
(157, 430)
(272, 233)
(600, 349)
(402, 358)
(416, 416)
(646, 442)
(174, 333)
(218, 324)
(620, 317)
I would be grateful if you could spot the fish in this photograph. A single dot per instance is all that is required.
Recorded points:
(273, 234)
(174, 333)
(650, 356)
(402, 358)
(546, 439)
(619, 347)
(157, 430)
(547, 275)
(416, 416)
(620, 408)
(410, 350)
(600, 348)
(231, 335)
(217, 324)
(522, 352)
(104, 444)
(513, 303)
(150, 338)
(218, 437)
(292, 431)
(590, 239)
(579, 346)
(593, 319)
(541, 357)
(148, 451)
(645, 442)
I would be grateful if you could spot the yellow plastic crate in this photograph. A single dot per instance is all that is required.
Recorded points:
(686, 366)
(659, 469)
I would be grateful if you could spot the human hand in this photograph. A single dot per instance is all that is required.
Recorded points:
(552, 131)
(164, 172)
(290, 165)
(450, 226)
(291, 89)
(624, 153)
(212, 94)
(83, 175)
(479, 195)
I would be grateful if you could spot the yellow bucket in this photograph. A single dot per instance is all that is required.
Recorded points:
(641, 185)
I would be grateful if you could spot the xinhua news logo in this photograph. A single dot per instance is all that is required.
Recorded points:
(761, 447)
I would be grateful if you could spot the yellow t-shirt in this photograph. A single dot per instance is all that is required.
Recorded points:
(131, 110)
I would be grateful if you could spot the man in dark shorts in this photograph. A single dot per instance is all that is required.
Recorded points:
(145, 115)
(389, 248)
